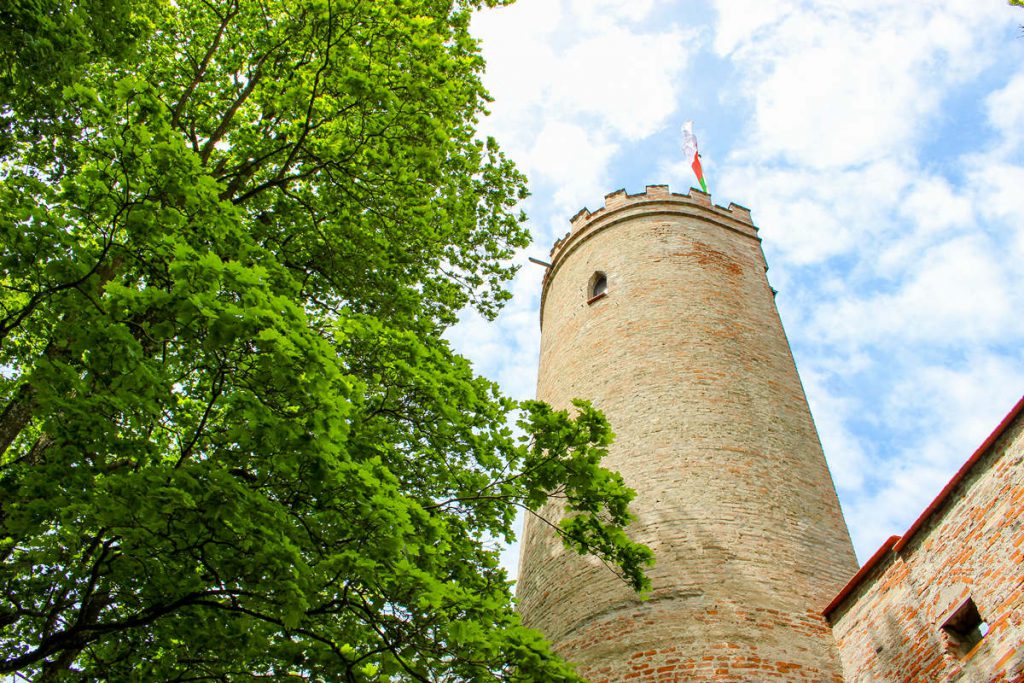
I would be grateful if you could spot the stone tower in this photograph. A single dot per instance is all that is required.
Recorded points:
(657, 308)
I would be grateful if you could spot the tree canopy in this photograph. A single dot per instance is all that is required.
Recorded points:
(233, 442)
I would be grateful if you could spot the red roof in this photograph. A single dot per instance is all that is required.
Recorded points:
(897, 543)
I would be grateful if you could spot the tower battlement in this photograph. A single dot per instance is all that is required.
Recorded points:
(656, 201)
(620, 200)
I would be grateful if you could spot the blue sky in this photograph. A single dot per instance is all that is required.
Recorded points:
(880, 147)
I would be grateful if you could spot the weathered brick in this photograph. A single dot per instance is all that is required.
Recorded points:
(888, 622)
(687, 357)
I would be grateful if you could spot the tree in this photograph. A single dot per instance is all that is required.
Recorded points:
(233, 444)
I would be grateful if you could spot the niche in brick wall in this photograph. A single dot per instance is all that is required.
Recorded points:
(965, 628)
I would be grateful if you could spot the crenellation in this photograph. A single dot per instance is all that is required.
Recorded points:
(579, 219)
(740, 213)
(620, 200)
(701, 198)
(615, 199)
(559, 242)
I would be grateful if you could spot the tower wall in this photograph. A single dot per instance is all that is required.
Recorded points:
(686, 355)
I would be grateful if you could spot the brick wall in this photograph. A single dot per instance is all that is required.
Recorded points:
(686, 356)
(888, 623)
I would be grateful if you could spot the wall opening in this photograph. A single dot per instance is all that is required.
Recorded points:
(597, 287)
(965, 627)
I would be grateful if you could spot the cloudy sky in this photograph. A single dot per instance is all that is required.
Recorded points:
(880, 147)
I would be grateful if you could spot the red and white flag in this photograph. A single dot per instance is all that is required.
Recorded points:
(690, 152)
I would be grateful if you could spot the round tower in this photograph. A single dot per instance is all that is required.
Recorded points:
(657, 309)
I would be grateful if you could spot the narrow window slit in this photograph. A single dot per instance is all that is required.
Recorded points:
(598, 287)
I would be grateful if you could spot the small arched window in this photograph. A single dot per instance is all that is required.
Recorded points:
(598, 286)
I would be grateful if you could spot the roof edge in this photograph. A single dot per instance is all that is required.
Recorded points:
(898, 543)
(960, 474)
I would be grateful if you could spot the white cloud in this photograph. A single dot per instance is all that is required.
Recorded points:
(944, 413)
(602, 14)
(1006, 111)
(567, 98)
(903, 495)
(835, 84)
(573, 159)
(957, 294)
(978, 391)
(932, 205)
(568, 151)
(846, 457)
(998, 189)
(819, 106)
(811, 215)
(627, 80)
(1001, 202)
(739, 21)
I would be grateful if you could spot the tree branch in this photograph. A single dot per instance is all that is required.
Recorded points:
(179, 109)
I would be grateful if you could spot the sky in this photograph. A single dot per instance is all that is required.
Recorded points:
(880, 147)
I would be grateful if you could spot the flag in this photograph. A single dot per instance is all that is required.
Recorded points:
(690, 152)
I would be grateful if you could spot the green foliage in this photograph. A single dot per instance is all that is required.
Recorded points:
(233, 443)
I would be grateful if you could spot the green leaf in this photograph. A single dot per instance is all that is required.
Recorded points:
(234, 437)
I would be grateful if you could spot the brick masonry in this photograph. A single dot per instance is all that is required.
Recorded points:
(968, 545)
(687, 357)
